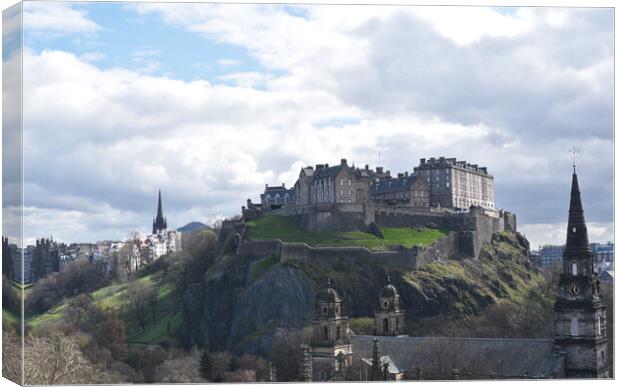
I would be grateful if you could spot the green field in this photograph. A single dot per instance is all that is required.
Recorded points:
(283, 228)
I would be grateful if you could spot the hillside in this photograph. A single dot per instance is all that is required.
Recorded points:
(193, 226)
(256, 297)
(163, 320)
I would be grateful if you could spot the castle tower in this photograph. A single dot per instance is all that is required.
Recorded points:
(159, 223)
(331, 344)
(580, 315)
(389, 317)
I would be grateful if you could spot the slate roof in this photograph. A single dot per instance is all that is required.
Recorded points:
(392, 368)
(505, 358)
(327, 172)
(397, 184)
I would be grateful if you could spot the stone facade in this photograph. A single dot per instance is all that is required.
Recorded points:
(331, 343)
(405, 190)
(278, 196)
(456, 184)
(389, 317)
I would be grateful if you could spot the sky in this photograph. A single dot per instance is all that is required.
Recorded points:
(209, 102)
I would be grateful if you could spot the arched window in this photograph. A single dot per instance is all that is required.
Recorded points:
(337, 332)
(325, 333)
(324, 310)
(385, 325)
(598, 325)
(574, 327)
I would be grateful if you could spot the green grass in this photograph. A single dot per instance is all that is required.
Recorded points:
(115, 296)
(10, 318)
(285, 229)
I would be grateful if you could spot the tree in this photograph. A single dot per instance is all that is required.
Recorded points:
(375, 366)
(57, 359)
(137, 304)
(206, 365)
(284, 353)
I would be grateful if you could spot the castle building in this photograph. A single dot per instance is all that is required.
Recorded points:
(277, 196)
(331, 344)
(456, 184)
(389, 317)
(406, 190)
(580, 315)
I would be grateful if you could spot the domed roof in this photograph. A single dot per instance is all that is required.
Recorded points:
(328, 295)
(388, 291)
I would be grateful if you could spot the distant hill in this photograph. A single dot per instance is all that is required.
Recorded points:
(193, 226)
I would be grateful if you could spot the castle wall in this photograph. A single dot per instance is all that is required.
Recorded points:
(404, 258)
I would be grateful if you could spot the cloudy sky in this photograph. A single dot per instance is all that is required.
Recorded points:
(210, 102)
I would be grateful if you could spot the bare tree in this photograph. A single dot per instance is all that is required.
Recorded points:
(58, 360)
(137, 303)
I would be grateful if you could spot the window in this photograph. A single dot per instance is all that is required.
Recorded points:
(337, 332)
(341, 181)
(325, 335)
(574, 269)
(324, 310)
(348, 181)
(598, 325)
(385, 304)
(574, 327)
(574, 230)
(397, 324)
(385, 325)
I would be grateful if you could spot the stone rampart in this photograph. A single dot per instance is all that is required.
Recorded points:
(404, 258)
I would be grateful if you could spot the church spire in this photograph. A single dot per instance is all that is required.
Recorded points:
(577, 245)
(159, 223)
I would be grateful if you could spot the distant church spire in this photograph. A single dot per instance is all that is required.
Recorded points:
(159, 223)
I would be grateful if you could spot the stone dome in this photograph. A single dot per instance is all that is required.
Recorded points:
(328, 295)
(388, 291)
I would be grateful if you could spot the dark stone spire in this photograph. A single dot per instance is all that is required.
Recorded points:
(159, 223)
(577, 245)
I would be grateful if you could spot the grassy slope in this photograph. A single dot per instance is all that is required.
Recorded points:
(280, 227)
(115, 296)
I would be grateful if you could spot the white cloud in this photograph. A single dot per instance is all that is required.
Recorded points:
(57, 18)
(228, 62)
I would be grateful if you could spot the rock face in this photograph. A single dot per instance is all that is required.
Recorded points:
(244, 300)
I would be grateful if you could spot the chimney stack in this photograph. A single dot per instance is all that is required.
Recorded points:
(343, 162)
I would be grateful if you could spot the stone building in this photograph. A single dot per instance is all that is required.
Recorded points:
(580, 315)
(456, 184)
(404, 190)
(277, 196)
(389, 317)
(331, 344)
(302, 186)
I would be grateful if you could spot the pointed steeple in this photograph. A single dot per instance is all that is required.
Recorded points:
(160, 212)
(159, 223)
(577, 245)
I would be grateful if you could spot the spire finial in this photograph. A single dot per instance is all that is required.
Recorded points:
(389, 280)
(329, 283)
(574, 150)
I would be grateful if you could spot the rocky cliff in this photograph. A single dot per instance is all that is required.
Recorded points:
(243, 300)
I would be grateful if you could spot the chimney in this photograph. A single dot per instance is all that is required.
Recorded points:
(326, 165)
(400, 175)
(387, 173)
(343, 162)
(379, 169)
(406, 174)
(283, 185)
(422, 161)
(266, 185)
(319, 166)
(366, 167)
